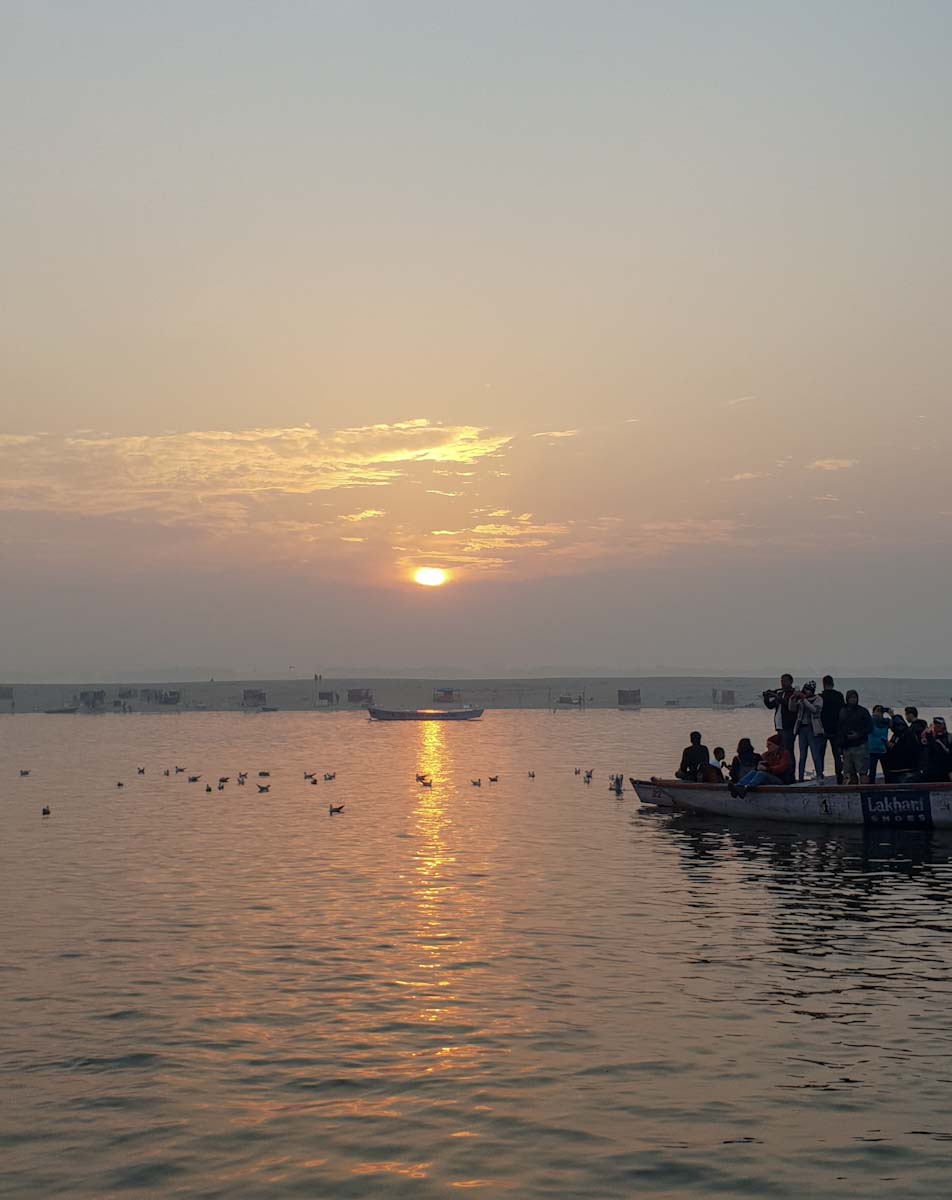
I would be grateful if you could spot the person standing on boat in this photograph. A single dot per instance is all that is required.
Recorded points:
(808, 710)
(693, 758)
(785, 718)
(832, 707)
(936, 760)
(877, 741)
(853, 737)
(901, 761)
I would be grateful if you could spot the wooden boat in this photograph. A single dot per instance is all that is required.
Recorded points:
(425, 714)
(879, 805)
(66, 710)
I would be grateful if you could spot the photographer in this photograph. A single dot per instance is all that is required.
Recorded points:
(785, 717)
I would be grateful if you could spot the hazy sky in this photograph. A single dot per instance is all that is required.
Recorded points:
(635, 317)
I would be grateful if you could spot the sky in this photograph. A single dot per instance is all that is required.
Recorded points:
(632, 318)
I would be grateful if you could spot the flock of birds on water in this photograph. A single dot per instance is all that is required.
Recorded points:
(616, 782)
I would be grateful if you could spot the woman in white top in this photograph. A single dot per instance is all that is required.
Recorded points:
(809, 728)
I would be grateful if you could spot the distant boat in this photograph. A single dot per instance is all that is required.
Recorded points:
(270, 708)
(876, 805)
(672, 703)
(66, 710)
(425, 714)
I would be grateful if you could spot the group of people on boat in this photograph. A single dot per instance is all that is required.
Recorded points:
(862, 742)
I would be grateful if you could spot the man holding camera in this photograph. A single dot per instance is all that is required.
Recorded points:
(785, 714)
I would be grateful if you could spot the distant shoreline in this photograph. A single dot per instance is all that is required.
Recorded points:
(571, 693)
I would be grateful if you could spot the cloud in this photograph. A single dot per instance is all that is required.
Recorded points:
(368, 514)
(557, 433)
(832, 464)
(744, 475)
(211, 477)
(739, 400)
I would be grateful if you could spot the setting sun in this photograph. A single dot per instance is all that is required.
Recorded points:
(430, 576)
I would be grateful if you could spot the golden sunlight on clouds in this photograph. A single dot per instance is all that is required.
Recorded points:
(371, 503)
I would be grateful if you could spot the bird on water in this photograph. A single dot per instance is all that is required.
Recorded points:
(333, 809)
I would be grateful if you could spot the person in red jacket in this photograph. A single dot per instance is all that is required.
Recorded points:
(774, 767)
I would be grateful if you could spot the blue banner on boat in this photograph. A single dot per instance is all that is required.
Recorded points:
(902, 810)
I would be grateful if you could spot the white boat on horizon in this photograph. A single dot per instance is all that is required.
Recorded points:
(877, 805)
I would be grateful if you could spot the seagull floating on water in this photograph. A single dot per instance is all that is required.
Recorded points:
(166, 771)
(333, 809)
(310, 775)
(264, 787)
(532, 774)
(23, 774)
(426, 783)
(330, 776)
(120, 785)
(45, 811)
(194, 778)
(179, 770)
(264, 774)
(493, 778)
(476, 782)
(141, 770)
(208, 787)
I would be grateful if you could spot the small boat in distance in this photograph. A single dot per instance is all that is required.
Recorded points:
(66, 710)
(425, 714)
(876, 805)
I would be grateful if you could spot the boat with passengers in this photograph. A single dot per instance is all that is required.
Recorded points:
(879, 805)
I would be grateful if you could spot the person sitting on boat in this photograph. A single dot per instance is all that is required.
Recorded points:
(808, 729)
(901, 760)
(713, 771)
(936, 757)
(693, 758)
(745, 760)
(774, 766)
(877, 741)
(853, 736)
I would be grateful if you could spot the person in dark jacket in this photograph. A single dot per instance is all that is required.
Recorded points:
(936, 760)
(830, 719)
(853, 736)
(901, 761)
(693, 758)
(746, 759)
(785, 717)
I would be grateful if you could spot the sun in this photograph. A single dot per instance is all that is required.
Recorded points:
(430, 576)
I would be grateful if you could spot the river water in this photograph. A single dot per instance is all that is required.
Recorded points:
(530, 988)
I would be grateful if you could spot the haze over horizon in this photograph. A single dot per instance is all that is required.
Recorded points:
(633, 321)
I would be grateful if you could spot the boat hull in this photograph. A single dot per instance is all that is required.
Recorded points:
(881, 806)
(425, 714)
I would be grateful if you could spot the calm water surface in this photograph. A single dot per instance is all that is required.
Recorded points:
(531, 988)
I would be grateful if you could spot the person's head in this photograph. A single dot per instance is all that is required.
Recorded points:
(695, 738)
(912, 713)
(786, 680)
(878, 710)
(719, 754)
(773, 742)
(828, 681)
(809, 688)
(745, 747)
(939, 726)
(899, 724)
(852, 696)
